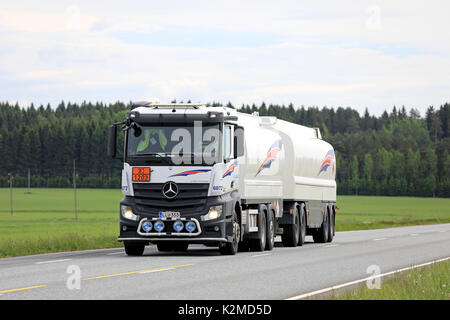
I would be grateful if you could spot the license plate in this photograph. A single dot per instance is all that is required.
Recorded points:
(169, 214)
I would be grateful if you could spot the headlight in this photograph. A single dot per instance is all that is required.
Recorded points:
(191, 226)
(214, 213)
(147, 226)
(178, 226)
(127, 213)
(159, 226)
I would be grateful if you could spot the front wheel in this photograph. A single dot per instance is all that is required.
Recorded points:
(231, 248)
(134, 249)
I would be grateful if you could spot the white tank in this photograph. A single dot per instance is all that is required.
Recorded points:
(285, 161)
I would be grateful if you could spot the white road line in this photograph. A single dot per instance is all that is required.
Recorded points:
(313, 293)
(414, 234)
(151, 271)
(443, 231)
(330, 246)
(52, 261)
(261, 255)
(379, 239)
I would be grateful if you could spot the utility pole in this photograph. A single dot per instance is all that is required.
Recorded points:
(29, 181)
(11, 192)
(75, 190)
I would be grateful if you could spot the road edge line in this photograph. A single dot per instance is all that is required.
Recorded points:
(346, 284)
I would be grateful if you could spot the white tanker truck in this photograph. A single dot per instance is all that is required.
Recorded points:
(214, 176)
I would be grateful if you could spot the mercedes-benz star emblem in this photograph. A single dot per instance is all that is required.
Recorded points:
(170, 190)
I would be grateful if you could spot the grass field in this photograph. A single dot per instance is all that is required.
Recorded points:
(44, 220)
(373, 212)
(428, 283)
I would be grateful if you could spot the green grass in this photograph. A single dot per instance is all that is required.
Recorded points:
(428, 283)
(374, 212)
(44, 220)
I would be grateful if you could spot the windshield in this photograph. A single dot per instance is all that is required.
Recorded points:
(180, 144)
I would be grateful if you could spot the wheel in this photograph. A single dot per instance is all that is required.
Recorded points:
(270, 231)
(330, 226)
(231, 248)
(321, 234)
(302, 229)
(291, 232)
(134, 249)
(260, 243)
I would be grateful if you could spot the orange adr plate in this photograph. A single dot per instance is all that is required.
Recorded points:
(141, 174)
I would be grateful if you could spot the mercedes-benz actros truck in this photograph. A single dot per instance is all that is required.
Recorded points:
(218, 177)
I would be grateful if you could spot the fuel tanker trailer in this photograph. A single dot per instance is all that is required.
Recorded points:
(218, 177)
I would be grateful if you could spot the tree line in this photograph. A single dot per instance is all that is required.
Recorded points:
(397, 153)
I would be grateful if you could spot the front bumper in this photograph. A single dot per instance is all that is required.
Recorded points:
(210, 231)
(188, 240)
(207, 232)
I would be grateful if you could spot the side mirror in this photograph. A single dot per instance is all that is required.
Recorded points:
(238, 142)
(112, 139)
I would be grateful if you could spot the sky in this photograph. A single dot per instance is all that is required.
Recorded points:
(361, 54)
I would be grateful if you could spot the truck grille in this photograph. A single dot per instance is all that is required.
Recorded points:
(191, 198)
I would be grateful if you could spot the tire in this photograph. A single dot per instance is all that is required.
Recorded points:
(134, 249)
(291, 232)
(330, 226)
(231, 248)
(260, 243)
(321, 234)
(270, 231)
(302, 229)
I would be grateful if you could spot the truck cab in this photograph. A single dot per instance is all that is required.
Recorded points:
(180, 176)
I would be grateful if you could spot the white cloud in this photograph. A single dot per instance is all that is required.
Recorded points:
(311, 53)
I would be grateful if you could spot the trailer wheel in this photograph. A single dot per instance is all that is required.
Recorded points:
(291, 232)
(321, 234)
(260, 243)
(302, 235)
(330, 226)
(134, 249)
(270, 232)
(231, 248)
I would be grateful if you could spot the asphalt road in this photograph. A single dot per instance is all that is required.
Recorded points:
(202, 273)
